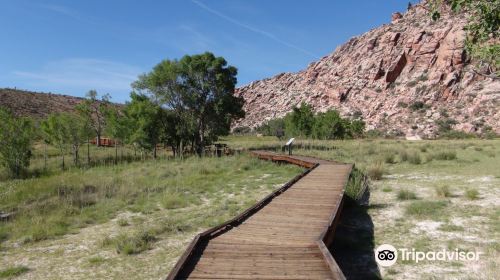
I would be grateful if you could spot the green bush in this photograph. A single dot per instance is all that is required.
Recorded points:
(444, 155)
(414, 158)
(134, 244)
(376, 171)
(406, 195)
(12, 272)
(390, 158)
(472, 194)
(354, 188)
(443, 191)
(425, 209)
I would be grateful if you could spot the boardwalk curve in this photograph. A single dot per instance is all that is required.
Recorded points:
(284, 236)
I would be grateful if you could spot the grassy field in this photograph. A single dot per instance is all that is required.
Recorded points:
(136, 218)
(427, 195)
(129, 219)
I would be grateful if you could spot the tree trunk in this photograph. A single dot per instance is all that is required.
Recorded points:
(98, 142)
(88, 152)
(154, 152)
(116, 152)
(45, 156)
(181, 150)
(62, 160)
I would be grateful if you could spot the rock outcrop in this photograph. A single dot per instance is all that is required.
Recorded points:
(382, 74)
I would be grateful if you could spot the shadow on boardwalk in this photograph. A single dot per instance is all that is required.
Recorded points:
(353, 244)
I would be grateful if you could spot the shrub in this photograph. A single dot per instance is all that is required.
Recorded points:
(376, 171)
(472, 194)
(390, 158)
(13, 271)
(122, 222)
(417, 105)
(414, 158)
(443, 191)
(425, 209)
(406, 195)
(174, 201)
(135, 244)
(444, 155)
(16, 137)
(403, 155)
(387, 189)
(355, 185)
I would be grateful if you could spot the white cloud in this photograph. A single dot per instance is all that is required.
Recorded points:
(82, 73)
(253, 29)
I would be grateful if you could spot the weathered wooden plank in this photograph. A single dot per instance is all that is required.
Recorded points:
(281, 237)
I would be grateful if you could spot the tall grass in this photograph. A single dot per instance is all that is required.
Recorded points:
(56, 205)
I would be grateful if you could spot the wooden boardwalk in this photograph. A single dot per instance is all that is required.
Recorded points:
(285, 236)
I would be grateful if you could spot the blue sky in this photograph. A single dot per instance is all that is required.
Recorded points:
(70, 47)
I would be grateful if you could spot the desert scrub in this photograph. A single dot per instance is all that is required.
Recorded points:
(471, 194)
(443, 191)
(376, 171)
(122, 222)
(443, 155)
(356, 184)
(406, 195)
(414, 158)
(131, 244)
(425, 209)
(52, 206)
(390, 158)
(12, 272)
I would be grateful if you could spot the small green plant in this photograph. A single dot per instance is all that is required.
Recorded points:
(376, 171)
(414, 158)
(134, 244)
(406, 195)
(387, 189)
(425, 209)
(96, 260)
(12, 272)
(443, 191)
(355, 185)
(174, 201)
(417, 105)
(390, 158)
(122, 222)
(445, 155)
(472, 194)
(403, 155)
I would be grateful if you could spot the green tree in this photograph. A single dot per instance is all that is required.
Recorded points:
(143, 119)
(300, 121)
(16, 136)
(118, 127)
(77, 132)
(482, 28)
(55, 127)
(329, 125)
(94, 112)
(199, 90)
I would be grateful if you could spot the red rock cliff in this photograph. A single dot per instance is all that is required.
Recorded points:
(381, 73)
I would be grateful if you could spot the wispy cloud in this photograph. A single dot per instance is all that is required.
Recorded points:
(66, 11)
(82, 73)
(254, 29)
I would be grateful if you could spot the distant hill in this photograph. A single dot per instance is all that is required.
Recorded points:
(37, 105)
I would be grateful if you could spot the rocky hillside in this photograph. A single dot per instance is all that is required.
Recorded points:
(403, 78)
(36, 104)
